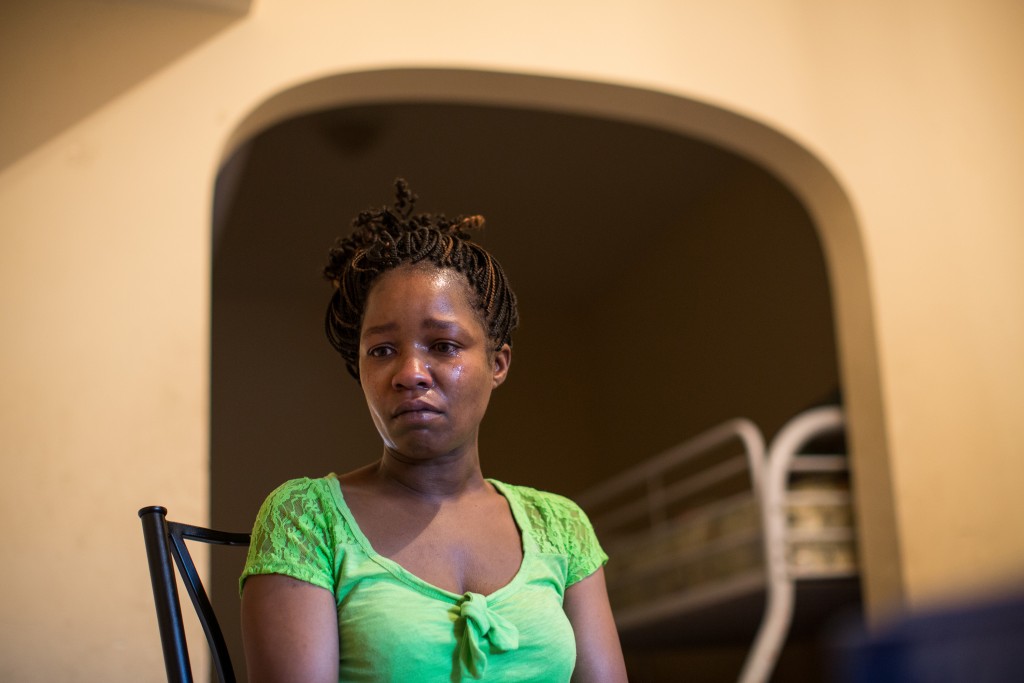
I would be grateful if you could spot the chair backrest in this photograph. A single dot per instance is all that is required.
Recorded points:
(166, 540)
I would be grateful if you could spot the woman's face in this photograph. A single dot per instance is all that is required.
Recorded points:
(425, 363)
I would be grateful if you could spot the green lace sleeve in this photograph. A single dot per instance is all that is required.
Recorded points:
(562, 527)
(293, 535)
(585, 553)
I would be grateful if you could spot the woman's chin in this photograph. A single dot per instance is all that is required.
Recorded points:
(412, 450)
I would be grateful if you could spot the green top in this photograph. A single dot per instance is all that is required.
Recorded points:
(393, 626)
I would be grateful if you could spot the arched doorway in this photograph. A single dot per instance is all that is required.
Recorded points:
(685, 265)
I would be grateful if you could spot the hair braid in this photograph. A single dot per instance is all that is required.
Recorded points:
(386, 238)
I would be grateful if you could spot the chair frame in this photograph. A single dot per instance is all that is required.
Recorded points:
(165, 540)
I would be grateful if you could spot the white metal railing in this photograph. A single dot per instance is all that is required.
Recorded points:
(652, 473)
(781, 591)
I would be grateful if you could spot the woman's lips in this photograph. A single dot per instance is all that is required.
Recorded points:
(417, 408)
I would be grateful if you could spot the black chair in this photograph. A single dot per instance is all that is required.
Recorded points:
(164, 540)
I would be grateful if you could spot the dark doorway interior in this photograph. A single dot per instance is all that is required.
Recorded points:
(665, 285)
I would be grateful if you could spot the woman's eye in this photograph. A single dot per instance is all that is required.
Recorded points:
(379, 352)
(446, 347)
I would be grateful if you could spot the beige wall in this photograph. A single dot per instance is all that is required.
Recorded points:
(913, 106)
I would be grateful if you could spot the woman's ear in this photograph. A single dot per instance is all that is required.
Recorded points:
(502, 360)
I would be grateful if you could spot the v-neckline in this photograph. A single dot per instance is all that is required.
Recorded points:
(407, 577)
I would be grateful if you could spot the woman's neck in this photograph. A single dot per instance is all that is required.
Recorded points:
(446, 477)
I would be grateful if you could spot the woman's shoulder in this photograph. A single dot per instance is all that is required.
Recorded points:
(302, 497)
(550, 515)
(296, 532)
(543, 501)
(304, 487)
(559, 526)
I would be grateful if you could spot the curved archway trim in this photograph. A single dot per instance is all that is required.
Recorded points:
(805, 174)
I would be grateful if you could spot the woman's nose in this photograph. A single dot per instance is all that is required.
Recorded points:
(413, 372)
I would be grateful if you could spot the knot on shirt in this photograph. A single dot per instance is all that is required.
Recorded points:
(480, 631)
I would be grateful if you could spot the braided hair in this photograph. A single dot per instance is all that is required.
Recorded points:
(386, 238)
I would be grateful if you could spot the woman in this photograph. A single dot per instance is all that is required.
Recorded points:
(416, 567)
